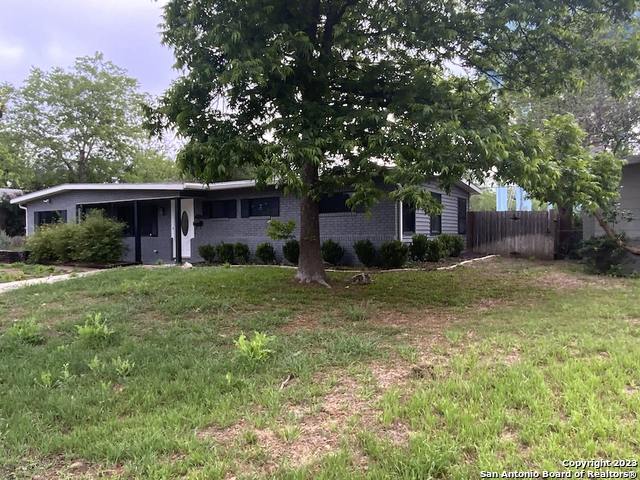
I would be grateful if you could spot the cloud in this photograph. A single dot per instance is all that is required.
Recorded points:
(10, 52)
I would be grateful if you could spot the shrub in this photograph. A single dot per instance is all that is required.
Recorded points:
(225, 253)
(453, 244)
(52, 243)
(418, 247)
(266, 253)
(255, 349)
(366, 252)
(332, 252)
(604, 255)
(277, 230)
(393, 254)
(291, 251)
(207, 252)
(98, 239)
(5, 240)
(26, 331)
(436, 250)
(241, 253)
(95, 329)
(17, 243)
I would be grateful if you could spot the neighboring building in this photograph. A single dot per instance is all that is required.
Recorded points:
(629, 204)
(233, 212)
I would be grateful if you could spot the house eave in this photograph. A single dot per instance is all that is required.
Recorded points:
(173, 187)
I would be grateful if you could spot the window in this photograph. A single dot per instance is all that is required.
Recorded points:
(335, 203)
(47, 217)
(436, 220)
(123, 212)
(148, 220)
(408, 218)
(260, 207)
(462, 216)
(220, 209)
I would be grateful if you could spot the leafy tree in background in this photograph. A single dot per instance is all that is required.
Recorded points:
(79, 125)
(149, 165)
(321, 95)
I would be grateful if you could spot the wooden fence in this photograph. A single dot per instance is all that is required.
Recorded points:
(527, 234)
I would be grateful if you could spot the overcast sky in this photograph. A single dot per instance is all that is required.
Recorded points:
(47, 33)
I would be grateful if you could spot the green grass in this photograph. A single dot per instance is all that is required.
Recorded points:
(13, 272)
(418, 375)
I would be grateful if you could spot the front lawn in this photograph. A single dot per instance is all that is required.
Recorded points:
(500, 366)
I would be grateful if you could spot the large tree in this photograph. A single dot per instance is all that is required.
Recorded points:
(320, 95)
(79, 125)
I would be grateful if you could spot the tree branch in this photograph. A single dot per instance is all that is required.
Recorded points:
(611, 233)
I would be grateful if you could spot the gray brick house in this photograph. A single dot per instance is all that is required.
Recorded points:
(234, 211)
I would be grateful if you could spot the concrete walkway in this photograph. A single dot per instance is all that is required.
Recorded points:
(6, 287)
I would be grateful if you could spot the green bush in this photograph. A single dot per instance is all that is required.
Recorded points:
(291, 251)
(366, 252)
(393, 254)
(241, 253)
(98, 239)
(225, 253)
(207, 252)
(604, 255)
(332, 252)
(52, 243)
(265, 253)
(418, 247)
(452, 244)
(5, 240)
(436, 250)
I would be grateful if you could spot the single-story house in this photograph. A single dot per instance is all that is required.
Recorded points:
(629, 223)
(235, 211)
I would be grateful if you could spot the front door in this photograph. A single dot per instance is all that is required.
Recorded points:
(185, 228)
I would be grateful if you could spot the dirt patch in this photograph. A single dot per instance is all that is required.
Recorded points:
(574, 281)
(60, 468)
(305, 434)
(631, 389)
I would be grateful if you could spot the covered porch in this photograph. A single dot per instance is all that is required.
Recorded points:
(150, 227)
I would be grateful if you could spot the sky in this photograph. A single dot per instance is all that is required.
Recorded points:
(48, 33)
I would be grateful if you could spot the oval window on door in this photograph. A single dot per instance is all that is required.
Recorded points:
(184, 224)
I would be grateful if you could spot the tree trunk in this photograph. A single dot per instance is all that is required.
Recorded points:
(565, 228)
(310, 263)
(611, 233)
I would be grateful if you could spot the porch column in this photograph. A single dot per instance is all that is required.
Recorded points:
(178, 232)
(136, 232)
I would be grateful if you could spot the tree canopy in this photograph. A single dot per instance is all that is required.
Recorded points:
(84, 124)
(320, 95)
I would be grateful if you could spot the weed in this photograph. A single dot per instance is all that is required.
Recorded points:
(122, 367)
(95, 329)
(256, 349)
(357, 312)
(26, 331)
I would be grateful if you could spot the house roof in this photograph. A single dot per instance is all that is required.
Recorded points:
(633, 159)
(173, 187)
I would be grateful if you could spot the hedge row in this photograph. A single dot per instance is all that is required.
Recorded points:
(392, 254)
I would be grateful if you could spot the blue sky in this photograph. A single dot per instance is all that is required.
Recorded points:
(47, 33)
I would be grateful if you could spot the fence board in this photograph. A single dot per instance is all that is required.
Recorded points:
(529, 234)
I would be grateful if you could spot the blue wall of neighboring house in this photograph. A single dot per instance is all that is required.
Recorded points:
(379, 225)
